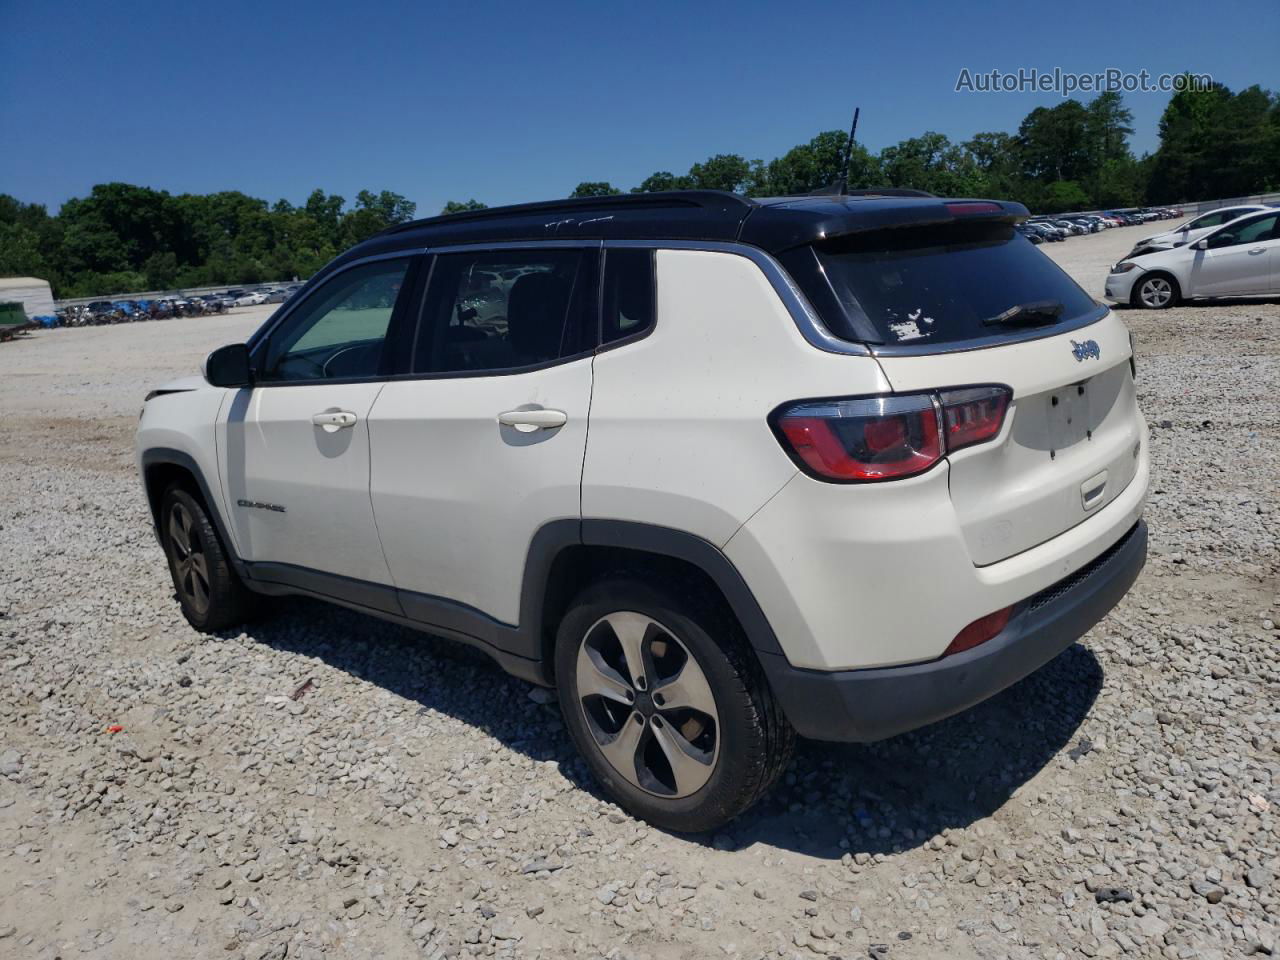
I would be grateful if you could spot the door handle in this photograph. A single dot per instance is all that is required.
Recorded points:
(1257, 250)
(526, 421)
(334, 420)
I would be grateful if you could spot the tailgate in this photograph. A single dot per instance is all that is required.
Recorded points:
(1069, 444)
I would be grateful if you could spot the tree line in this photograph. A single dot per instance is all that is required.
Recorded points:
(1072, 156)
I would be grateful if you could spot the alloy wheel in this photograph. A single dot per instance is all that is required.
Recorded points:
(648, 705)
(1156, 292)
(189, 561)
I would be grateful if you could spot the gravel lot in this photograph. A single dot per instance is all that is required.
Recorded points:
(417, 802)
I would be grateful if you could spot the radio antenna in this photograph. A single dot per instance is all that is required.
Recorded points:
(848, 158)
(849, 152)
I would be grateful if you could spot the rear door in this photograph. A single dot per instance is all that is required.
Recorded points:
(294, 448)
(944, 303)
(484, 442)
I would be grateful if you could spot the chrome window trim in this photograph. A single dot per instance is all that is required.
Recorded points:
(802, 313)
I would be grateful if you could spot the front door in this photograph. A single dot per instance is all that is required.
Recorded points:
(1238, 261)
(484, 443)
(294, 448)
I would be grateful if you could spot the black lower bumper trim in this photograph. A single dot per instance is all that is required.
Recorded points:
(867, 705)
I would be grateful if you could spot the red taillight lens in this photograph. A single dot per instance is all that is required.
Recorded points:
(879, 438)
(973, 415)
(979, 632)
(884, 438)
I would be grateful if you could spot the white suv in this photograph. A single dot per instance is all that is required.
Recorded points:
(721, 471)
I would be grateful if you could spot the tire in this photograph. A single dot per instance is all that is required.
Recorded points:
(728, 757)
(211, 595)
(1156, 291)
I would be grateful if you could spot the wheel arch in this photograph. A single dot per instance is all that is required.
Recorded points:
(565, 565)
(162, 467)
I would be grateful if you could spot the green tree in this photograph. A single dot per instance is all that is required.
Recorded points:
(374, 213)
(1054, 143)
(1108, 124)
(595, 188)
(932, 162)
(462, 206)
(724, 171)
(817, 164)
(663, 180)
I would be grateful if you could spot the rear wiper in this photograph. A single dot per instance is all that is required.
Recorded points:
(1041, 311)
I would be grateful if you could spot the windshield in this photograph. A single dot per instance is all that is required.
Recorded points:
(945, 284)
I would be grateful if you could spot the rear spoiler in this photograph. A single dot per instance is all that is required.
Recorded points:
(781, 228)
(935, 214)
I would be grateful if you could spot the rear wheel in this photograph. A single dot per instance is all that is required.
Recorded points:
(668, 705)
(211, 595)
(1156, 291)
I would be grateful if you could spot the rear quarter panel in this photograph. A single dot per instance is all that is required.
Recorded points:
(679, 434)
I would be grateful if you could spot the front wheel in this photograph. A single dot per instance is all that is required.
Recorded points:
(1156, 292)
(211, 595)
(667, 704)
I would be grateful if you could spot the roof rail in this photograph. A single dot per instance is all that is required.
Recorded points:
(664, 198)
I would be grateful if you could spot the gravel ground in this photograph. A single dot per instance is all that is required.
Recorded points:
(414, 801)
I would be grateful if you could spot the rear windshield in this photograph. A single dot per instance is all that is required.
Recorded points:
(943, 284)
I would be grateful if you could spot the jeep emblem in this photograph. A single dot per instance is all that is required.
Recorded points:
(1088, 350)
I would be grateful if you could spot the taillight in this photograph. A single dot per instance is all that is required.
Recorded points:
(979, 632)
(878, 438)
(866, 439)
(973, 415)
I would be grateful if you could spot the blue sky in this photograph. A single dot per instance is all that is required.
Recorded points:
(518, 101)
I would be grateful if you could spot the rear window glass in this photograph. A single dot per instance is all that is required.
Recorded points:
(943, 284)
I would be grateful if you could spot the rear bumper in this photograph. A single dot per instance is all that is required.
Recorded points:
(867, 705)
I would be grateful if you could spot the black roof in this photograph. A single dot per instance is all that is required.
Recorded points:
(773, 224)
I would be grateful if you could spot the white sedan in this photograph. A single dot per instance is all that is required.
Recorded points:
(250, 299)
(1239, 259)
(1195, 228)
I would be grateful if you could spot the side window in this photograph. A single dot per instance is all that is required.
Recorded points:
(339, 330)
(1209, 220)
(630, 294)
(1254, 231)
(505, 309)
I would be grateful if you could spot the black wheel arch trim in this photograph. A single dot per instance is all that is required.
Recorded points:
(700, 553)
(167, 456)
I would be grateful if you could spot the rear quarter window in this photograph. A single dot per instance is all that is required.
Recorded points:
(944, 284)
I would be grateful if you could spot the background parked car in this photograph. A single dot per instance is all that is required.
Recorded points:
(1195, 228)
(249, 299)
(1241, 258)
(1048, 232)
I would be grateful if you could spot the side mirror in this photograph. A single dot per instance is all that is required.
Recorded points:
(1201, 245)
(229, 366)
